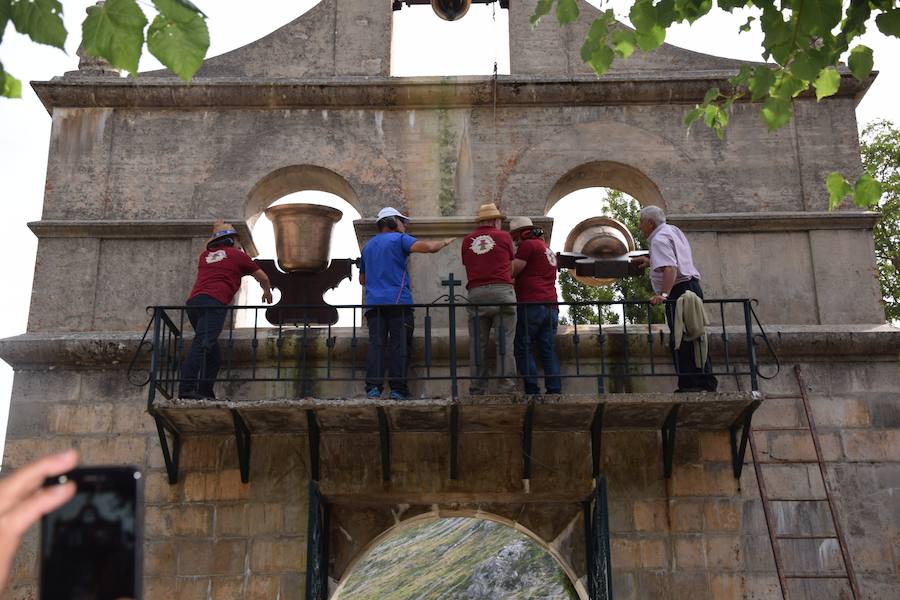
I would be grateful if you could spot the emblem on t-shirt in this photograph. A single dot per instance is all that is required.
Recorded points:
(214, 257)
(551, 256)
(482, 244)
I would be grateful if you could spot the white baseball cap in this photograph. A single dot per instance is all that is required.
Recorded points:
(390, 211)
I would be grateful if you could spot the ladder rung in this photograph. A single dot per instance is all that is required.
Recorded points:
(765, 429)
(797, 536)
(814, 576)
(797, 499)
(784, 397)
(789, 462)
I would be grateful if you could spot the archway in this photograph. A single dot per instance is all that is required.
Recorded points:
(478, 556)
(607, 174)
(304, 184)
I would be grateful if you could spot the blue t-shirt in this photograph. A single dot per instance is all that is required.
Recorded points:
(384, 262)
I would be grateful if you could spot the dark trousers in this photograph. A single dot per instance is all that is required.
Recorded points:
(396, 323)
(201, 367)
(683, 358)
(536, 327)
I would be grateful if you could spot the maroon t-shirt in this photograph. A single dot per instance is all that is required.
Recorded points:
(537, 281)
(219, 273)
(487, 254)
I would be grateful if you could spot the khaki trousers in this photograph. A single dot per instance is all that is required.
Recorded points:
(502, 321)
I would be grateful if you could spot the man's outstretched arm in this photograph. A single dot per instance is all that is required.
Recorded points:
(430, 247)
(263, 279)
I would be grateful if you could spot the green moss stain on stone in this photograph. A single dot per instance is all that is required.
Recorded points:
(447, 161)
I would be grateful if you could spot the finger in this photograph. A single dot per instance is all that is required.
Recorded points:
(27, 479)
(18, 519)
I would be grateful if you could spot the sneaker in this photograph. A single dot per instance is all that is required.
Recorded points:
(373, 393)
(395, 395)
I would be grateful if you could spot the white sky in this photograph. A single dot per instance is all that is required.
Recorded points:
(420, 42)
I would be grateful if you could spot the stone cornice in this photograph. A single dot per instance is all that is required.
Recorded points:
(441, 227)
(137, 230)
(111, 350)
(774, 221)
(645, 87)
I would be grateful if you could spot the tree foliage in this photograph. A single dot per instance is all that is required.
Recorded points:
(804, 42)
(625, 209)
(115, 31)
(880, 149)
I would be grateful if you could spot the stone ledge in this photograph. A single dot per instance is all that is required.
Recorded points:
(477, 414)
(774, 221)
(400, 92)
(115, 349)
(137, 230)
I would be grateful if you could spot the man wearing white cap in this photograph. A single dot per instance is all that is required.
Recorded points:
(487, 254)
(384, 271)
(219, 271)
(538, 314)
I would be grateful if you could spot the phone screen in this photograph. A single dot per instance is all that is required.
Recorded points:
(90, 546)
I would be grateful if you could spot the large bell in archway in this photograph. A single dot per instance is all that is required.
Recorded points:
(598, 251)
(303, 235)
(451, 10)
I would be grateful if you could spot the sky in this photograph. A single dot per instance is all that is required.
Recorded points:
(420, 41)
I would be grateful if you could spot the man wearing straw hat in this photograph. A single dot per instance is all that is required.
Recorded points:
(534, 269)
(219, 271)
(487, 255)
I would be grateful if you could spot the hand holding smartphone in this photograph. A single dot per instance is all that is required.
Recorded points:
(91, 546)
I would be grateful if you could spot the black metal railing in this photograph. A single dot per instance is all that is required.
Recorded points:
(599, 357)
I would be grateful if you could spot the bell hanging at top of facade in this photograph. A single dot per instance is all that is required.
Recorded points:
(451, 10)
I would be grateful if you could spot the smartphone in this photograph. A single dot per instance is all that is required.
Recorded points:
(91, 546)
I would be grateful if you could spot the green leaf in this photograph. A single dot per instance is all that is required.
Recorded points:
(115, 31)
(566, 11)
(861, 61)
(866, 192)
(41, 20)
(776, 112)
(692, 116)
(761, 83)
(819, 17)
(178, 37)
(624, 42)
(746, 26)
(10, 87)
(711, 94)
(4, 16)
(691, 10)
(807, 65)
(838, 189)
(643, 15)
(652, 39)
(542, 9)
(889, 22)
(601, 59)
(828, 82)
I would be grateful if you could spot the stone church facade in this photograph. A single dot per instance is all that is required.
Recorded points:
(139, 169)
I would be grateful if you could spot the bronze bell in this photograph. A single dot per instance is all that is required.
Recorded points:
(303, 235)
(598, 251)
(451, 10)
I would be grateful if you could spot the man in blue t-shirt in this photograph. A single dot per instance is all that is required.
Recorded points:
(384, 271)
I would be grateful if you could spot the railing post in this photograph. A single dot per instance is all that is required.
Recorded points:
(154, 357)
(451, 282)
(751, 350)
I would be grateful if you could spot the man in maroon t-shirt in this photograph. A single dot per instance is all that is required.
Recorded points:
(219, 271)
(487, 254)
(535, 271)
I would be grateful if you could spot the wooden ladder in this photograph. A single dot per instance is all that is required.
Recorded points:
(780, 532)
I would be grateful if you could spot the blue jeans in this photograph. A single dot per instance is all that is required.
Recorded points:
(201, 367)
(397, 323)
(536, 330)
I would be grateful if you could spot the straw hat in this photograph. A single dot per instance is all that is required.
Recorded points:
(488, 212)
(222, 229)
(519, 223)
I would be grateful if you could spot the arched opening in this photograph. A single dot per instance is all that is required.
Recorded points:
(304, 184)
(484, 557)
(424, 44)
(611, 189)
(607, 174)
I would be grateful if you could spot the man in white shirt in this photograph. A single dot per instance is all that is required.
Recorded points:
(672, 273)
